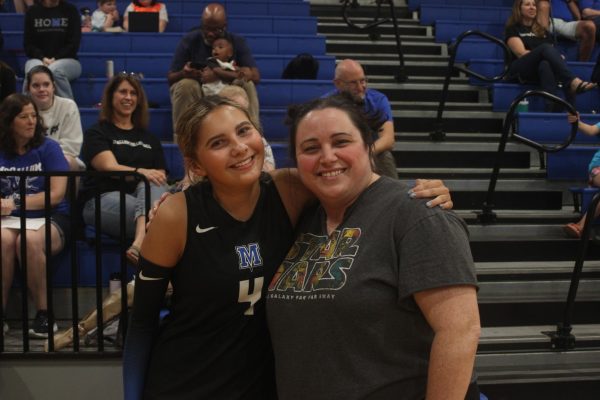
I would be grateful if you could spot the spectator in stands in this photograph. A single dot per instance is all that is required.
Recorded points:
(147, 6)
(121, 142)
(23, 147)
(369, 266)
(537, 60)
(61, 116)
(22, 5)
(567, 22)
(106, 17)
(574, 230)
(219, 243)
(220, 68)
(8, 79)
(194, 48)
(51, 38)
(350, 78)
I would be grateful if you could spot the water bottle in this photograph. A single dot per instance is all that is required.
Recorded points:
(523, 106)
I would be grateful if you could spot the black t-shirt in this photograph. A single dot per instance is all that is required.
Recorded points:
(530, 40)
(136, 148)
(52, 31)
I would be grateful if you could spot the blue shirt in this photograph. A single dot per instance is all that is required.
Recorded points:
(560, 9)
(375, 103)
(47, 157)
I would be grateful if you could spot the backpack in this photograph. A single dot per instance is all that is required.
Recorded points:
(303, 66)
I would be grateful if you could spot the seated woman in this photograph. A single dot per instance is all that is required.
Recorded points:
(121, 142)
(147, 6)
(55, 48)
(23, 147)
(537, 60)
(60, 115)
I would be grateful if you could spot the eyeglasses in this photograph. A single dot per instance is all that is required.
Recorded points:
(356, 82)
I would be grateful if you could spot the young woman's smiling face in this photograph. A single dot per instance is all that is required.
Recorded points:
(230, 150)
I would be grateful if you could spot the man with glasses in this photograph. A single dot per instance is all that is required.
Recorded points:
(350, 78)
(188, 67)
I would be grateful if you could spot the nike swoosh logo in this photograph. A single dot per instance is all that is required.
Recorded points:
(146, 278)
(204, 230)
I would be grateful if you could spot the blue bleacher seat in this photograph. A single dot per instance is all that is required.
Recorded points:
(156, 65)
(553, 127)
(166, 42)
(446, 30)
(174, 161)
(504, 93)
(416, 4)
(236, 23)
(282, 158)
(570, 163)
(432, 12)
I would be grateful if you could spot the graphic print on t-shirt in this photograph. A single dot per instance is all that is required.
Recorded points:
(316, 265)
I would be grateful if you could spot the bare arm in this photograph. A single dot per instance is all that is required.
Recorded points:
(293, 193)
(517, 46)
(166, 237)
(589, 13)
(590, 130)
(574, 8)
(58, 187)
(453, 315)
(162, 25)
(543, 13)
(106, 161)
(386, 138)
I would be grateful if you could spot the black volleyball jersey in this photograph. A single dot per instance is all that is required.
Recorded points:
(215, 343)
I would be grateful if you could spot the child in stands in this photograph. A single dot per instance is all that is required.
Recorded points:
(147, 6)
(106, 17)
(574, 230)
(220, 69)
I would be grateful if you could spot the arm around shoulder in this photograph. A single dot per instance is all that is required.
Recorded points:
(293, 193)
(165, 240)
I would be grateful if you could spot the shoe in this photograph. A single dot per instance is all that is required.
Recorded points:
(572, 231)
(5, 327)
(39, 329)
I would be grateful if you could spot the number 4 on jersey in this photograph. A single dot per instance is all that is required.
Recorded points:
(246, 297)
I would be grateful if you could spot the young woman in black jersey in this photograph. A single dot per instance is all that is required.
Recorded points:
(218, 243)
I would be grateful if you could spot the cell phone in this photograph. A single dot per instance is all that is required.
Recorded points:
(197, 65)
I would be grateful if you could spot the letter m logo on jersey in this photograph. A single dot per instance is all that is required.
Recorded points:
(249, 256)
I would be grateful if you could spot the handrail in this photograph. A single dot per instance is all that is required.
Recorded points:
(401, 75)
(438, 132)
(71, 196)
(487, 215)
(562, 338)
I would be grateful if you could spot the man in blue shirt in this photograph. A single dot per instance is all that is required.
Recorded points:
(350, 78)
(186, 73)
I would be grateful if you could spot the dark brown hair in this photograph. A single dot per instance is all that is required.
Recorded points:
(140, 114)
(9, 109)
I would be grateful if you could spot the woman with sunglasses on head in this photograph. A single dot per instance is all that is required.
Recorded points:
(60, 115)
(120, 141)
(218, 243)
(23, 147)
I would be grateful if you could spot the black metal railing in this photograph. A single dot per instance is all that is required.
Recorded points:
(487, 214)
(438, 133)
(76, 226)
(562, 338)
(401, 75)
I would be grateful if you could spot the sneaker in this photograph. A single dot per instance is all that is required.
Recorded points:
(39, 328)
